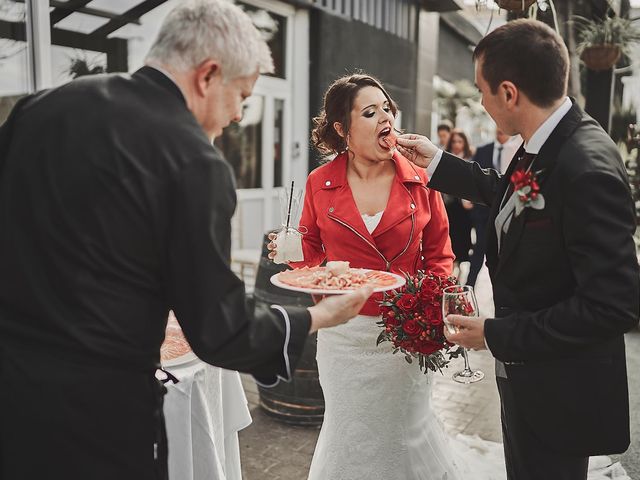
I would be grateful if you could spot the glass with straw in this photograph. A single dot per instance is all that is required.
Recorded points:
(289, 238)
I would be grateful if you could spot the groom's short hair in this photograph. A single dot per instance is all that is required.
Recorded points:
(531, 55)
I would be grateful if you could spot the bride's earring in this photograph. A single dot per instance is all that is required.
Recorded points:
(347, 142)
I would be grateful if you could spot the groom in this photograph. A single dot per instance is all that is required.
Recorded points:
(562, 260)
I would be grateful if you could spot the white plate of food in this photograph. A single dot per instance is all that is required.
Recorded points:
(175, 350)
(335, 278)
(179, 361)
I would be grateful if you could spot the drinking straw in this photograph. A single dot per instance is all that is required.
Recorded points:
(289, 209)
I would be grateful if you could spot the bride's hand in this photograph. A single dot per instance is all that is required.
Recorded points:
(416, 148)
(271, 246)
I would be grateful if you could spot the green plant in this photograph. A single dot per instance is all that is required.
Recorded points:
(620, 32)
(620, 121)
(80, 67)
(630, 152)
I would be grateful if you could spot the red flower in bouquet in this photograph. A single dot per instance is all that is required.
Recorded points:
(407, 302)
(411, 328)
(393, 320)
(434, 313)
(429, 291)
(412, 321)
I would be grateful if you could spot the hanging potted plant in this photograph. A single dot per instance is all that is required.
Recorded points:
(80, 66)
(602, 42)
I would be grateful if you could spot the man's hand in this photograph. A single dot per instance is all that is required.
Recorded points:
(466, 204)
(417, 148)
(333, 310)
(469, 331)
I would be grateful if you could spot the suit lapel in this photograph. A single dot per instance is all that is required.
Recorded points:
(492, 239)
(342, 206)
(401, 203)
(511, 237)
(344, 209)
(545, 162)
(398, 208)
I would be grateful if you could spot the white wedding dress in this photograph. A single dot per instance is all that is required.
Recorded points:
(378, 421)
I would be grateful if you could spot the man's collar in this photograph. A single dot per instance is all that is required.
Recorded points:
(335, 172)
(541, 135)
(162, 77)
(165, 73)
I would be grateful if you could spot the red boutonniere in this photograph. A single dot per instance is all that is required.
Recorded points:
(527, 190)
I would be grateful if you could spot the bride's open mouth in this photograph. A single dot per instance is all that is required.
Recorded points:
(387, 138)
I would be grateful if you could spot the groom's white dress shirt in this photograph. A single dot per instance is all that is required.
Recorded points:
(509, 149)
(503, 218)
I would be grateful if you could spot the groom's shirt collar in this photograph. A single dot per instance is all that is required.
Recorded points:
(543, 132)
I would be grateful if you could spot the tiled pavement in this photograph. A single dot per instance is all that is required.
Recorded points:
(271, 450)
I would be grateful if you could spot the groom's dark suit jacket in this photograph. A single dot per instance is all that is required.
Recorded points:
(484, 157)
(565, 284)
(114, 208)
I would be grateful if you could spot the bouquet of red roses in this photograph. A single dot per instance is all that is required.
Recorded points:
(412, 321)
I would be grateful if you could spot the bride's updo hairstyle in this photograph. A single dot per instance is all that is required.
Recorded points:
(338, 103)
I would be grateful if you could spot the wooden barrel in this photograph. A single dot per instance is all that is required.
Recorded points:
(299, 402)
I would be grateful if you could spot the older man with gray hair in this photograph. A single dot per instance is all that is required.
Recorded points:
(118, 212)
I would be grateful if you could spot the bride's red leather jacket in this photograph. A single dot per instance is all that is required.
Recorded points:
(412, 234)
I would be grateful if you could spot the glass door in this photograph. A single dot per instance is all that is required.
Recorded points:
(15, 69)
(259, 146)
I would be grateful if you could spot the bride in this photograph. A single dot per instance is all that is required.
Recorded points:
(371, 207)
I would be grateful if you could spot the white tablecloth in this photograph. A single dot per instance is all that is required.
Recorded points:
(204, 413)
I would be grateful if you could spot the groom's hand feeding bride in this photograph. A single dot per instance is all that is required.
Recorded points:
(417, 148)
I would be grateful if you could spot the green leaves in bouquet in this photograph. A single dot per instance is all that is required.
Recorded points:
(454, 353)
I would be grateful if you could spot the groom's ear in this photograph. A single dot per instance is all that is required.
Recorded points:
(509, 93)
(337, 126)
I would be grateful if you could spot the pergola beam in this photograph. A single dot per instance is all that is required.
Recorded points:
(94, 12)
(115, 48)
(58, 13)
(120, 21)
(61, 6)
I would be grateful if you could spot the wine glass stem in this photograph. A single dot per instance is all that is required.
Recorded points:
(466, 359)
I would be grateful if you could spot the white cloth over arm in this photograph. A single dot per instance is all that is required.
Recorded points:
(203, 414)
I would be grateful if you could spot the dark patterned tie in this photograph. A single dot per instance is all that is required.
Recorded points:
(525, 161)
